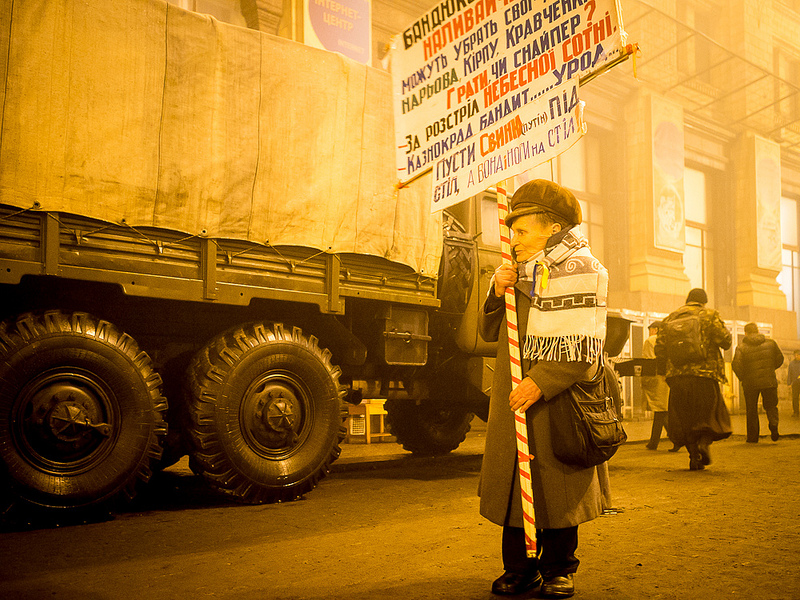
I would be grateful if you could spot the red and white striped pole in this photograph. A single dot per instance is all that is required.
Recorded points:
(521, 425)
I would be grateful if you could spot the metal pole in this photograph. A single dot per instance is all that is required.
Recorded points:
(520, 423)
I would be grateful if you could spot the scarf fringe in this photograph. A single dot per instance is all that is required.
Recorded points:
(569, 347)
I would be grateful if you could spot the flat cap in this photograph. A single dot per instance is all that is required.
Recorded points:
(541, 195)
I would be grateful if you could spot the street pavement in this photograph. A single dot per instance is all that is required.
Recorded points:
(366, 456)
(390, 526)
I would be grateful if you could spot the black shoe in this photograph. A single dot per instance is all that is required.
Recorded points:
(705, 452)
(674, 448)
(696, 464)
(558, 587)
(773, 431)
(651, 447)
(511, 584)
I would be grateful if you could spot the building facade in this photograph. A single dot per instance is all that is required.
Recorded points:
(689, 175)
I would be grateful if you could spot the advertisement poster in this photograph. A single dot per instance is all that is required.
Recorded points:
(668, 164)
(343, 26)
(486, 89)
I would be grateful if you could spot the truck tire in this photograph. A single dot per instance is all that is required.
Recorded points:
(267, 413)
(81, 411)
(426, 428)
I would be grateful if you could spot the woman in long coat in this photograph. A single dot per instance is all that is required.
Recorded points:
(656, 390)
(564, 496)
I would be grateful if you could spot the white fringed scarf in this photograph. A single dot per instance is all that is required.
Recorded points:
(568, 289)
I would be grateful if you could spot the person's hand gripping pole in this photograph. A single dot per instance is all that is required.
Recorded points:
(521, 425)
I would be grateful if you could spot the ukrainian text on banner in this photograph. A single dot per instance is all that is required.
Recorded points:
(466, 66)
(542, 130)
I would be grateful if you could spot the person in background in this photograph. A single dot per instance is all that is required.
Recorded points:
(697, 412)
(754, 363)
(655, 388)
(793, 380)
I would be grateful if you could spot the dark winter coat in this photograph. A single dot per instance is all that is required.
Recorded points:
(755, 361)
(793, 372)
(715, 337)
(563, 496)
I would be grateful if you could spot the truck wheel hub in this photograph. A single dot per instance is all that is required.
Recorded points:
(280, 415)
(69, 421)
(272, 416)
(62, 421)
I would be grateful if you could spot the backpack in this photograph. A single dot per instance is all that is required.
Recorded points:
(683, 339)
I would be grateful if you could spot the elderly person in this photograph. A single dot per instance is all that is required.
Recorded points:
(561, 301)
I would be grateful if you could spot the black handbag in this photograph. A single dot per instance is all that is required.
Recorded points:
(585, 429)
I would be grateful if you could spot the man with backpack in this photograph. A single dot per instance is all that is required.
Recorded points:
(691, 339)
(754, 363)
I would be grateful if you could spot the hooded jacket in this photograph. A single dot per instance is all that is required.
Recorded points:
(755, 361)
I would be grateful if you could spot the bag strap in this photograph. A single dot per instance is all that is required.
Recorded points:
(601, 372)
(598, 379)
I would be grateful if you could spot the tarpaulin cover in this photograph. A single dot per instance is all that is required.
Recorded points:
(143, 112)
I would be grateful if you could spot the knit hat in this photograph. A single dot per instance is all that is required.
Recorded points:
(697, 295)
(541, 195)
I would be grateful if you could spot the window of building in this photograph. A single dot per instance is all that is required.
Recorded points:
(490, 234)
(789, 278)
(572, 167)
(696, 260)
(787, 71)
(228, 11)
(592, 226)
(579, 170)
(697, 54)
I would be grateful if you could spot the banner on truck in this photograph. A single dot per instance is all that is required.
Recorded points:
(472, 79)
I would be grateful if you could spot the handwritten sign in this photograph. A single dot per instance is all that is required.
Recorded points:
(486, 89)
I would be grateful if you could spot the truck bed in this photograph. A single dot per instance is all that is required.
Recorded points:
(140, 113)
(159, 263)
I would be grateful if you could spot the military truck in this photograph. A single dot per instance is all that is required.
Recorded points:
(203, 251)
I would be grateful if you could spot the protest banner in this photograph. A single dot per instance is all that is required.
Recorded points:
(487, 89)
